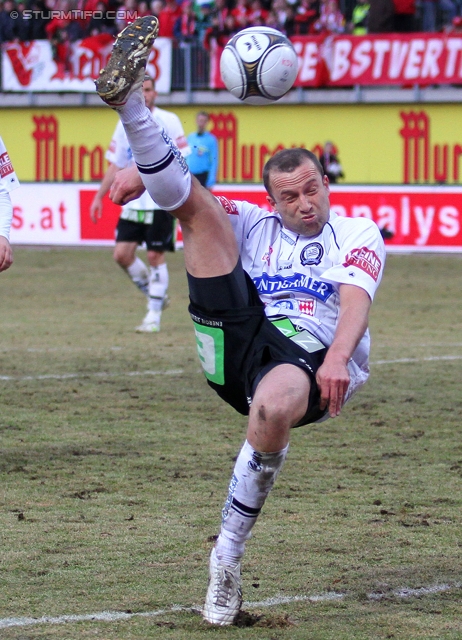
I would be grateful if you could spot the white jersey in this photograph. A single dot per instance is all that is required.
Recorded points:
(120, 154)
(8, 182)
(299, 277)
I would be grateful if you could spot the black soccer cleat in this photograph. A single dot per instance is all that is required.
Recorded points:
(124, 73)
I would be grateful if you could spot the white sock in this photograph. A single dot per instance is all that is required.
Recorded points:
(161, 166)
(252, 480)
(139, 274)
(158, 285)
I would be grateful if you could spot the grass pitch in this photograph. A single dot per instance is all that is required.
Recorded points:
(116, 456)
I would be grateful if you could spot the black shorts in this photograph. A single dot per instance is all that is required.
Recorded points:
(239, 345)
(158, 236)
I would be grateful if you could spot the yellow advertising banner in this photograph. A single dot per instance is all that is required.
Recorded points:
(376, 144)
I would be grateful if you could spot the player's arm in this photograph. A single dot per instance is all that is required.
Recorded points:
(96, 208)
(333, 376)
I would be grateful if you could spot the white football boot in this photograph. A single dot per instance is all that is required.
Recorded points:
(224, 595)
(151, 323)
(124, 73)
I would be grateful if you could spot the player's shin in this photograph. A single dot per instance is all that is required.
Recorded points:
(139, 275)
(158, 285)
(252, 480)
(162, 168)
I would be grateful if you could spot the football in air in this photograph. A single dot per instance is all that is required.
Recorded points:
(259, 65)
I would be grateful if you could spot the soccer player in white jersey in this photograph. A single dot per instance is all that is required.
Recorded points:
(280, 301)
(8, 182)
(142, 220)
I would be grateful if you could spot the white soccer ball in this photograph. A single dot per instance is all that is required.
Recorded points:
(259, 65)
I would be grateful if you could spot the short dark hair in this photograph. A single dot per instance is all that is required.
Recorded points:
(151, 80)
(288, 160)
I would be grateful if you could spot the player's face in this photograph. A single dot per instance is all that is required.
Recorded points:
(301, 198)
(149, 94)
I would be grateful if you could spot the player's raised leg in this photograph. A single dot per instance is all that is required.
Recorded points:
(210, 247)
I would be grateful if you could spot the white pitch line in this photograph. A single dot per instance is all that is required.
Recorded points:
(415, 593)
(100, 374)
(114, 616)
(178, 372)
(413, 360)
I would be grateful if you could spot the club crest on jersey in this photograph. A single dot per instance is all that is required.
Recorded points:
(311, 254)
(366, 260)
(5, 165)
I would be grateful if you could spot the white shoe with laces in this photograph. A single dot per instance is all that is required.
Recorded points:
(224, 595)
(151, 323)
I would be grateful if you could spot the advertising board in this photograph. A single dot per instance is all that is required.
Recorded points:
(416, 218)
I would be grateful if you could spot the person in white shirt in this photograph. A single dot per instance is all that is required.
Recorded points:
(142, 220)
(279, 300)
(8, 182)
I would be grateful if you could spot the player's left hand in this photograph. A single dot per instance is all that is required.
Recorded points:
(127, 186)
(333, 379)
(6, 254)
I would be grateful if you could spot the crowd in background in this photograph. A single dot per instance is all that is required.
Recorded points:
(205, 21)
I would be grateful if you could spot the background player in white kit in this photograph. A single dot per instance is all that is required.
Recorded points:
(285, 340)
(142, 220)
(8, 182)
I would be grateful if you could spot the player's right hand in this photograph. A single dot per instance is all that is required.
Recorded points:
(96, 209)
(6, 254)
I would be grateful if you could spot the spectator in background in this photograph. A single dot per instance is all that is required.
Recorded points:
(430, 9)
(203, 160)
(125, 14)
(306, 14)
(284, 15)
(61, 32)
(330, 163)
(404, 20)
(203, 21)
(100, 22)
(359, 18)
(219, 36)
(22, 24)
(240, 12)
(381, 16)
(185, 27)
(8, 26)
(143, 9)
(37, 27)
(455, 26)
(156, 6)
(167, 18)
(257, 13)
(219, 14)
(331, 19)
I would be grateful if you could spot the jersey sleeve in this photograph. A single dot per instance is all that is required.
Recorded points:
(8, 178)
(119, 152)
(361, 255)
(8, 182)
